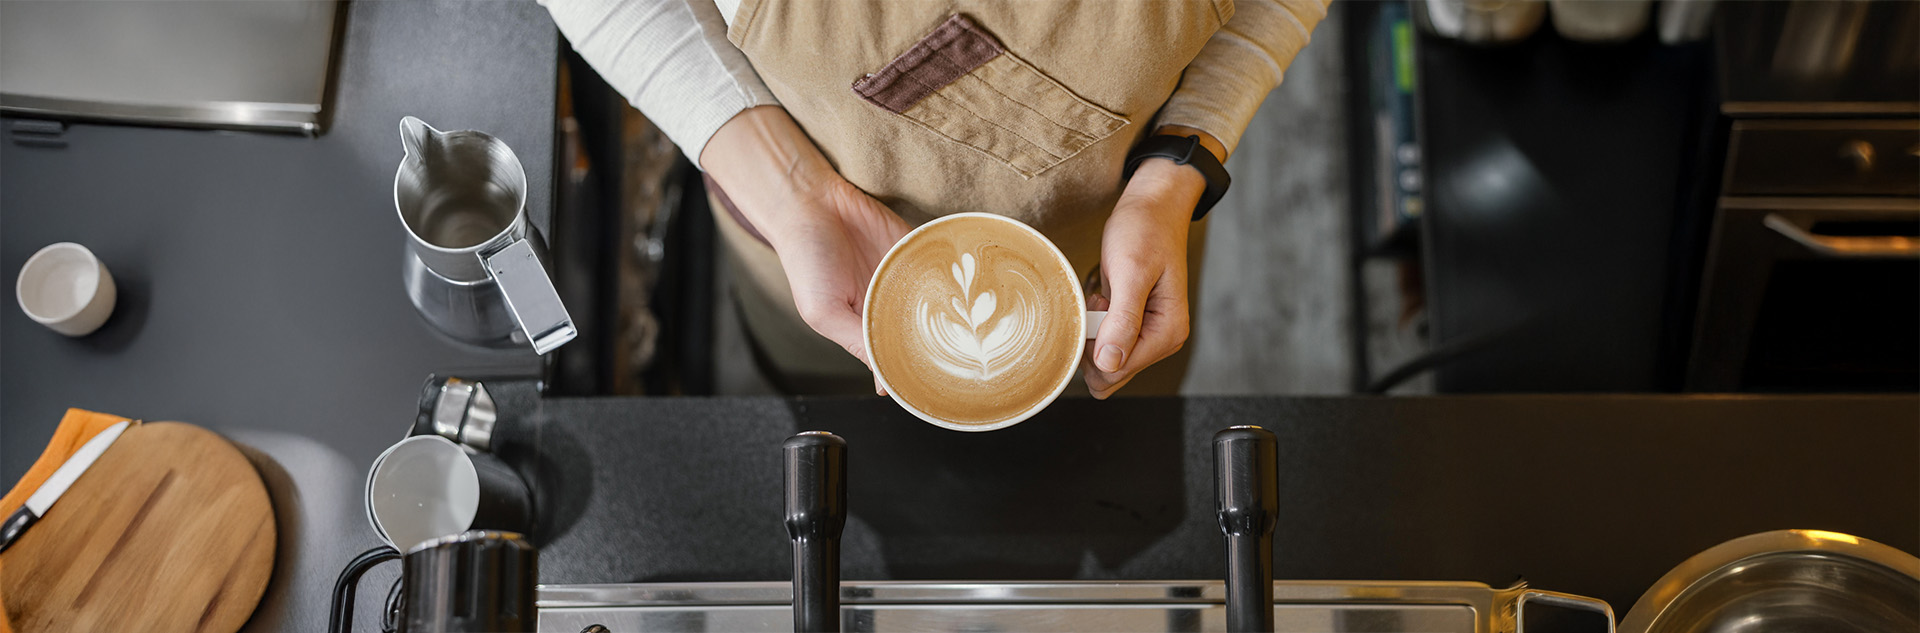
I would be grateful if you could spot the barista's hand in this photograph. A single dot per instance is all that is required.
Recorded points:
(830, 247)
(830, 236)
(1143, 267)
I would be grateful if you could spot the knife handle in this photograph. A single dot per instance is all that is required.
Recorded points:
(15, 525)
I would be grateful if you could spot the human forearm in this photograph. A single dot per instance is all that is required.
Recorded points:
(769, 168)
(1224, 85)
(669, 58)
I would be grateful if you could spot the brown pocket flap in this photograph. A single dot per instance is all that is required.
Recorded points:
(960, 83)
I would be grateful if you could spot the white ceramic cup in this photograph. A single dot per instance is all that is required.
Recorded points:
(421, 488)
(426, 487)
(1089, 325)
(66, 288)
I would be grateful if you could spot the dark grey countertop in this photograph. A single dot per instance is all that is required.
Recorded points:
(1595, 495)
(259, 274)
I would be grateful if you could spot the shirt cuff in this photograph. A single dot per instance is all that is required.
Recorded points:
(1211, 122)
(693, 128)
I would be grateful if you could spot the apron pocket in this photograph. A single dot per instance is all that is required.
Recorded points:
(960, 83)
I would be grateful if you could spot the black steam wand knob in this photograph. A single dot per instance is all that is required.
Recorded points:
(816, 512)
(1245, 475)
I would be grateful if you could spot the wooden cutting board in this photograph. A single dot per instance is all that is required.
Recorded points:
(171, 530)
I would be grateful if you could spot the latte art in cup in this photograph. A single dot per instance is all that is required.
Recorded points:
(980, 337)
(974, 321)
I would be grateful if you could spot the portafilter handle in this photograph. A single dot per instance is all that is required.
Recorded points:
(816, 513)
(1245, 475)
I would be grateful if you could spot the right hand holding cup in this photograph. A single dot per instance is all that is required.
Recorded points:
(1143, 271)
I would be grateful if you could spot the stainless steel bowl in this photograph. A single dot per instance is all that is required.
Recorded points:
(1805, 581)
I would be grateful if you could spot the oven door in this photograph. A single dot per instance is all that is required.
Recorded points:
(1810, 295)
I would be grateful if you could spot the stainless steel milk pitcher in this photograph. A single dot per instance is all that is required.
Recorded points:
(473, 267)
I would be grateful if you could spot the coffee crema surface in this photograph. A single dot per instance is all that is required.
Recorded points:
(975, 321)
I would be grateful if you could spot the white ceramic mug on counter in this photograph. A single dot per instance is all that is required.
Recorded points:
(66, 288)
(975, 322)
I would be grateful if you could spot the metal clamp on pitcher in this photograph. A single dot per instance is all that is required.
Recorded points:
(474, 264)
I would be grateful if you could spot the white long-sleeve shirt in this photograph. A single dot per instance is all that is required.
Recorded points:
(671, 60)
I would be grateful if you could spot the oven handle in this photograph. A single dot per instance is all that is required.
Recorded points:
(1892, 246)
(1558, 599)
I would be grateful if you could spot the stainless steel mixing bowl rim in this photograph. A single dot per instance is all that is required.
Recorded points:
(1652, 604)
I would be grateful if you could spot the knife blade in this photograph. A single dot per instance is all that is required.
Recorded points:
(57, 484)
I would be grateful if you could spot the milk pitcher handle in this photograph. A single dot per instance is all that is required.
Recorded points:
(530, 296)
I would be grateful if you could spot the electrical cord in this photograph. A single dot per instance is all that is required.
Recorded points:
(1439, 355)
(340, 617)
(396, 603)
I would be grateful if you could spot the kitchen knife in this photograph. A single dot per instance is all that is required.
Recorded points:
(56, 485)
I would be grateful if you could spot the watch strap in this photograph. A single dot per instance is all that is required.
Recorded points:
(1184, 150)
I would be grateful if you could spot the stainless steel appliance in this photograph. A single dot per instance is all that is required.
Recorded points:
(248, 65)
(477, 577)
(474, 267)
(1814, 251)
(1317, 607)
(1245, 481)
(1810, 294)
(477, 581)
(458, 409)
(1785, 580)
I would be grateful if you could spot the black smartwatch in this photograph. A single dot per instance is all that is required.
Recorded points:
(1184, 150)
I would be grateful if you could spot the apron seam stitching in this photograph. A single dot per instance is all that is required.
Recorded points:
(1057, 158)
(1082, 135)
(1023, 173)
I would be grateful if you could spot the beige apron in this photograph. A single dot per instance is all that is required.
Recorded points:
(1022, 108)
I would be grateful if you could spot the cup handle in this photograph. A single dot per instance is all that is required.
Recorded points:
(1094, 319)
(535, 305)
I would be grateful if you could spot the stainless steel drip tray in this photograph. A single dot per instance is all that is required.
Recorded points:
(1319, 607)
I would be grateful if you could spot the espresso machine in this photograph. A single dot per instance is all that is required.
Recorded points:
(1247, 599)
